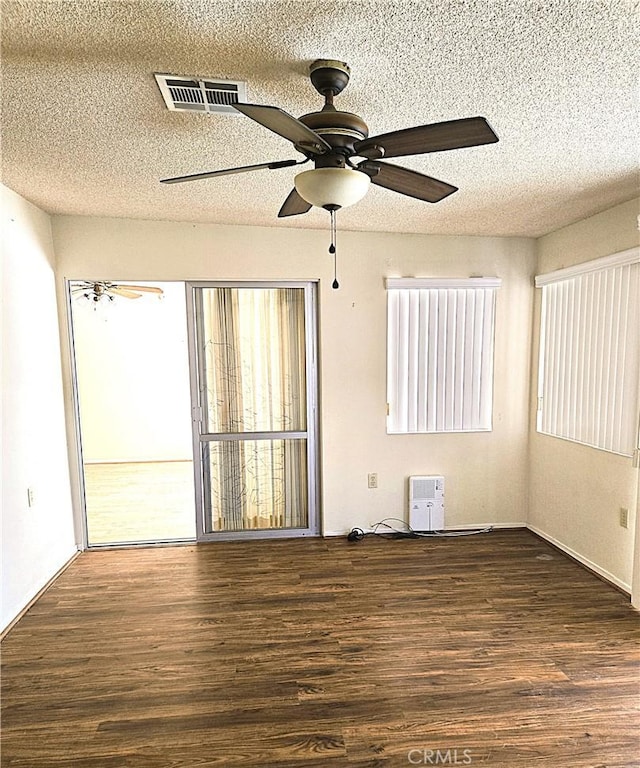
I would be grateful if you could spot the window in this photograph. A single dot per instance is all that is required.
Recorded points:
(440, 354)
(588, 364)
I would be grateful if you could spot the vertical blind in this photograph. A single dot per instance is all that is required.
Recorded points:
(588, 365)
(440, 354)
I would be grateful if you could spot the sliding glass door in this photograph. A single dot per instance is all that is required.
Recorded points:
(254, 393)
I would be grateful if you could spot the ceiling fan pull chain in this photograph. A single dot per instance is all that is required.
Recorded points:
(332, 250)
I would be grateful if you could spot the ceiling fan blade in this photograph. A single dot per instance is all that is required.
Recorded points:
(227, 171)
(143, 288)
(124, 292)
(293, 205)
(436, 137)
(285, 125)
(407, 182)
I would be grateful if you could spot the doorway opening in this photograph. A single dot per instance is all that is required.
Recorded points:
(132, 378)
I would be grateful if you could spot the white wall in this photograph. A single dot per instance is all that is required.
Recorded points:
(133, 377)
(38, 540)
(576, 491)
(486, 472)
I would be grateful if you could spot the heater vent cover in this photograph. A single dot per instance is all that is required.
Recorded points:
(193, 94)
(426, 502)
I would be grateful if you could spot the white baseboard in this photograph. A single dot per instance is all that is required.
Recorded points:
(482, 526)
(37, 596)
(581, 559)
(465, 527)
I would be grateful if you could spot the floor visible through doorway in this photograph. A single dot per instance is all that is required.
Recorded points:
(140, 501)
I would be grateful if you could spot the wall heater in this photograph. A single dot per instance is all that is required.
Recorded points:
(426, 502)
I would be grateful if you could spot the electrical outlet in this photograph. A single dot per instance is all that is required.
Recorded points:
(31, 497)
(372, 480)
(624, 517)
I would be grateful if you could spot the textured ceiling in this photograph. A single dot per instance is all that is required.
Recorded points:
(85, 129)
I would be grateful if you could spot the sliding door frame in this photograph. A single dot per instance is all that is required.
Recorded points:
(76, 451)
(195, 332)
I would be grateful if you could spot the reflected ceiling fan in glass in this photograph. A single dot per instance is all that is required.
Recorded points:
(103, 291)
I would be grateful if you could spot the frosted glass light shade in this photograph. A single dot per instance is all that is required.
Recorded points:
(332, 186)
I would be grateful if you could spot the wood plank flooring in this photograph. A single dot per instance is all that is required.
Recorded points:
(491, 650)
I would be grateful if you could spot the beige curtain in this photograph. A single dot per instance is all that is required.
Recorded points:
(254, 371)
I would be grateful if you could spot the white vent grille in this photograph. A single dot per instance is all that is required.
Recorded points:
(191, 94)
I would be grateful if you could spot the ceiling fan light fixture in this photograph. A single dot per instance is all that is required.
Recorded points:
(333, 187)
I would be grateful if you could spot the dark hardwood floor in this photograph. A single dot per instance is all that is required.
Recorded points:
(488, 650)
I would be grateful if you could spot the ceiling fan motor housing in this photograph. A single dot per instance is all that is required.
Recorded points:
(339, 129)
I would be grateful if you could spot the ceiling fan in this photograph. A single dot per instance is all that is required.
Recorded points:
(333, 139)
(95, 290)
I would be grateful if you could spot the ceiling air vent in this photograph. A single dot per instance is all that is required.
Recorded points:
(190, 94)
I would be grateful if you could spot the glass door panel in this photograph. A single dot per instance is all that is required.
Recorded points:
(254, 353)
(256, 484)
(131, 378)
(254, 389)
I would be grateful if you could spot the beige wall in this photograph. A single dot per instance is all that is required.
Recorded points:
(37, 540)
(576, 492)
(486, 473)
